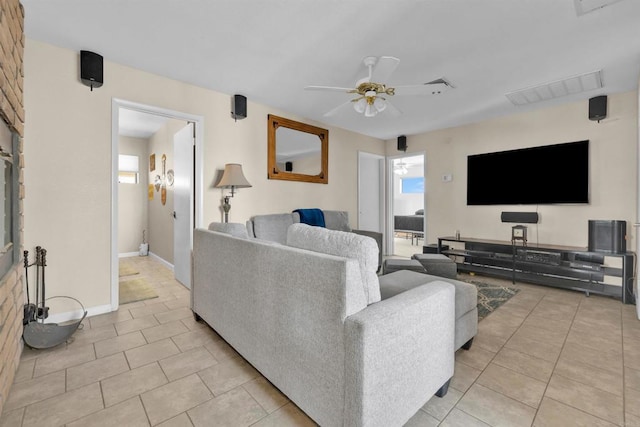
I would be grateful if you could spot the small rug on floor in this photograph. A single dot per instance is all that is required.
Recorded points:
(126, 270)
(136, 290)
(490, 297)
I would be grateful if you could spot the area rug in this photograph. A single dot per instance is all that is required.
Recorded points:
(126, 270)
(490, 297)
(136, 290)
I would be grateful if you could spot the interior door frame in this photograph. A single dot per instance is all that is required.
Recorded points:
(389, 247)
(381, 177)
(197, 193)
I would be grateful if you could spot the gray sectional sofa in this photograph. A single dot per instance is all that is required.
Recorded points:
(307, 313)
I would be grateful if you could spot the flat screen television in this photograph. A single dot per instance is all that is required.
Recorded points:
(548, 174)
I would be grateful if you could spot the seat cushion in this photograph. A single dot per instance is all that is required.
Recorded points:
(390, 265)
(403, 280)
(344, 244)
(337, 220)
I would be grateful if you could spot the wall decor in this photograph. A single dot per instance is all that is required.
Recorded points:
(150, 191)
(163, 186)
(170, 177)
(157, 181)
(297, 151)
(152, 163)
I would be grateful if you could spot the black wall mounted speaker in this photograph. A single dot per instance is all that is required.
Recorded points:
(239, 107)
(288, 166)
(402, 143)
(598, 108)
(91, 69)
(608, 236)
(520, 217)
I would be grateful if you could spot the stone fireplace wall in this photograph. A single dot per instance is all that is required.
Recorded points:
(12, 113)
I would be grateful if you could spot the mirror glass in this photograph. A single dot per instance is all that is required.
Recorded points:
(297, 151)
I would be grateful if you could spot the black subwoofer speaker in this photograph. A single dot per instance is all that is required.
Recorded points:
(91, 69)
(239, 107)
(402, 143)
(608, 236)
(598, 108)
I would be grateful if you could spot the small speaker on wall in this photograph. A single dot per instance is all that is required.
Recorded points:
(608, 236)
(91, 69)
(238, 107)
(520, 217)
(598, 108)
(288, 166)
(402, 143)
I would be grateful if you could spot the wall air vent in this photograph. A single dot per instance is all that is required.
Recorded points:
(557, 89)
(586, 6)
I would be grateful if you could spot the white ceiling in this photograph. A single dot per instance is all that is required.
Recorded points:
(136, 124)
(269, 50)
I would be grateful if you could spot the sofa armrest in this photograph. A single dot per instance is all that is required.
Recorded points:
(401, 347)
(377, 237)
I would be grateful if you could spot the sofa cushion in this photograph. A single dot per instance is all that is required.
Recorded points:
(235, 229)
(349, 245)
(337, 220)
(274, 226)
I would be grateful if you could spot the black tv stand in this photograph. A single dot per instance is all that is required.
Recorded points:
(551, 265)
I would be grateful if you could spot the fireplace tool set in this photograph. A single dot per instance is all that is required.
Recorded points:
(37, 333)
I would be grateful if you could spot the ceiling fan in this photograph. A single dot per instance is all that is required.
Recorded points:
(371, 92)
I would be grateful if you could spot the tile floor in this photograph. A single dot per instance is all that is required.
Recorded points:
(545, 358)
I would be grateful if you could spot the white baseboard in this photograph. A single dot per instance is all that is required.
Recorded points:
(161, 261)
(77, 314)
(128, 254)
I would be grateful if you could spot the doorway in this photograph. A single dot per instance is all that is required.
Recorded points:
(161, 181)
(406, 205)
(370, 192)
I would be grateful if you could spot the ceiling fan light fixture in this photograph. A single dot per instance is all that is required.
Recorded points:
(360, 105)
(369, 111)
(380, 104)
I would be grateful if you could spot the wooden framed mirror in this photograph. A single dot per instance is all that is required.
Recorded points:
(297, 151)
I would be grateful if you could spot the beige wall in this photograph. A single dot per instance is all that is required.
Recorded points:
(67, 208)
(613, 171)
(132, 198)
(160, 216)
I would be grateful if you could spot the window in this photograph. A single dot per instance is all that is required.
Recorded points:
(10, 245)
(127, 169)
(413, 185)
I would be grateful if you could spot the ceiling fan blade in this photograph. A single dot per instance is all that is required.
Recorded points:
(383, 69)
(339, 108)
(392, 110)
(331, 88)
(434, 87)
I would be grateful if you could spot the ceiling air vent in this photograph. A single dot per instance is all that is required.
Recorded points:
(557, 89)
(586, 6)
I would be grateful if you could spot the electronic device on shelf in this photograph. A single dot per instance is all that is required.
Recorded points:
(543, 257)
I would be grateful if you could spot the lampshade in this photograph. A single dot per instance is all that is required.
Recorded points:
(232, 177)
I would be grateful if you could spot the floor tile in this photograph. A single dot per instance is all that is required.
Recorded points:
(119, 343)
(109, 318)
(287, 416)
(90, 336)
(523, 363)
(132, 383)
(603, 359)
(268, 396)
(96, 370)
(35, 390)
(489, 342)
(555, 414)
(194, 338)
(513, 384)
(556, 337)
(221, 350)
(632, 378)
(457, 418)
(588, 399)
(181, 420)
(25, 371)
(172, 315)
(63, 359)
(12, 418)
(169, 400)
(234, 408)
(439, 407)
(146, 354)
(463, 376)
(494, 408)
(166, 330)
(146, 310)
(189, 362)
(602, 379)
(539, 349)
(64, 408)
(422, 419)
(475, 357)
(227, 375)
(632, 402)
(135, 324)
(129, 413)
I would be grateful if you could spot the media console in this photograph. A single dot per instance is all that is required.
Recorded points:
(560, 266)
